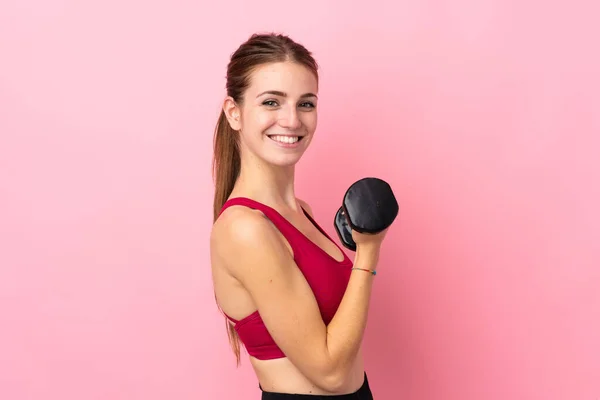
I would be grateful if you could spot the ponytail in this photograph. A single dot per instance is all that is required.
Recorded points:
(226, 169)
(226, 163)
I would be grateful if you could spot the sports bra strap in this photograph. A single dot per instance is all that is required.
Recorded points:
(287, 229)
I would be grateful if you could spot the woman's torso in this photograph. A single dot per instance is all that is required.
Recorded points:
(279, 374)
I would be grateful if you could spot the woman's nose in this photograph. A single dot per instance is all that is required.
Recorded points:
(289, 118)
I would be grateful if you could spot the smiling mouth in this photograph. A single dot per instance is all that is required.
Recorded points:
(285, 139)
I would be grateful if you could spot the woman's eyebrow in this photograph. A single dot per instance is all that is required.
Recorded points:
(283, 94)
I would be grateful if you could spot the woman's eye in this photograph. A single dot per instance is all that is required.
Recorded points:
(273, 103)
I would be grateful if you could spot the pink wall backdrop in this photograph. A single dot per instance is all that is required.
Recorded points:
(483, 115)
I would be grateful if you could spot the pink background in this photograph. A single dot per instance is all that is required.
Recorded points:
(483, 115)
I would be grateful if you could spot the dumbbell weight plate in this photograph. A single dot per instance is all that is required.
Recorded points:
(370, 206)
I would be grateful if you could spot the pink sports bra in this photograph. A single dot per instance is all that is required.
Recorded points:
(326, 276)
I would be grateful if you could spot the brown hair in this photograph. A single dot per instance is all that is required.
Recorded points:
(258, 50)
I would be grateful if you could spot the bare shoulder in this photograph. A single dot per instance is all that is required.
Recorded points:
(306, 206)
(250, 247)
(237, 222)
(239, 230)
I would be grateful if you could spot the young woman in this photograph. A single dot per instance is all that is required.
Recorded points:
(290, 295)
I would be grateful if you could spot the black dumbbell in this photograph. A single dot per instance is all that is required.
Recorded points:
(369, 206)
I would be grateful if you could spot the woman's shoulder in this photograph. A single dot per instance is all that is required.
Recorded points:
(245, 226)
(241, 237)
(305, 206)
(242, 229)
(238, 223)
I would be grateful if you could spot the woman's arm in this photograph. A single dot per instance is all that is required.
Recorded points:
(253, 251)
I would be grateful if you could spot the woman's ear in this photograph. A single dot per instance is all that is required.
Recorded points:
(232, 113)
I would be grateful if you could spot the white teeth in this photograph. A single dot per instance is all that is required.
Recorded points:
(285, 139)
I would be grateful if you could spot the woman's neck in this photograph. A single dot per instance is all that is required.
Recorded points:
(268, 184)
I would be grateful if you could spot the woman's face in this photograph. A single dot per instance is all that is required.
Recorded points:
(278, 115)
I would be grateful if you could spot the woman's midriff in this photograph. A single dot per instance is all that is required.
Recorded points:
(281, 376)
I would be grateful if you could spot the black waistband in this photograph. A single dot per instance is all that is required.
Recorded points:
(363, 393)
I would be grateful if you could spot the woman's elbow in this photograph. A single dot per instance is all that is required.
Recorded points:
(333, 382)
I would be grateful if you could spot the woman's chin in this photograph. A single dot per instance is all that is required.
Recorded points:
(284, 160)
